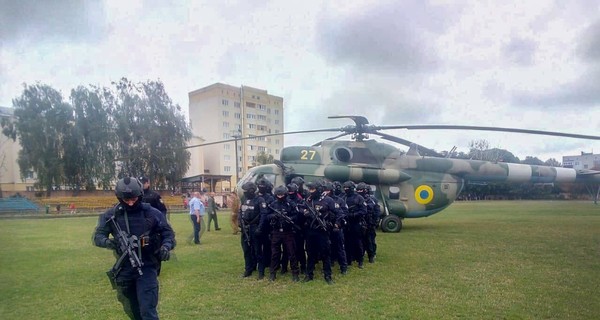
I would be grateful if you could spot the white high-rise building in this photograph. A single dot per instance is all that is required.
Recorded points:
(221, 112)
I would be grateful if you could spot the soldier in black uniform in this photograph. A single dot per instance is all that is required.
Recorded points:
(320, 212)
(152, 238)
(283, 225)
(152, 197)
(296, 200)
(357, 209)
(371, 219)
(265, 188)
(250, 212)
(299, 181)
(338, 246)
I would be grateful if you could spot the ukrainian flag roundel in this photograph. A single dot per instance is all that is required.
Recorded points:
(424, 194)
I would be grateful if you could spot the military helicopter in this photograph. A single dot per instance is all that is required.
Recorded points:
(412, 184)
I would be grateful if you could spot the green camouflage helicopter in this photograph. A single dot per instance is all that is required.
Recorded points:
(412, 184)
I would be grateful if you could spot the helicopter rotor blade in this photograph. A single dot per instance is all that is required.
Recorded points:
(264, 135)
(481, 128)
(407, 143)
(332, 138)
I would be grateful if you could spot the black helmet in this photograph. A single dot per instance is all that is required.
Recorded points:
(312, 185)
(327, 186)
(249, 187)
(337, 186)
(280, 191)
(264, 185)
(298, 181)
(128, 188)
(362, 187)
(349, 185)
(292, 187)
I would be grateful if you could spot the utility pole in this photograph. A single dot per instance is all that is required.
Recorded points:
(236, 135)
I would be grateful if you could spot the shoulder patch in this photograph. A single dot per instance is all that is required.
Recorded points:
(337, 206)
(264, 204)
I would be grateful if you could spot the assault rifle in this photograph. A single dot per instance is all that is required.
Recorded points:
(285, 218)
(245, 230)
(127, 247)
(315, 216)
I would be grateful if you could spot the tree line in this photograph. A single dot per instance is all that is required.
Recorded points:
(99, 134)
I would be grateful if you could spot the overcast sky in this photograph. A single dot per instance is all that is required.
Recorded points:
(522, 64)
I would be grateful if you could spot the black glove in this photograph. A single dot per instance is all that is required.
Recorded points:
(164, 254)
(110, 244)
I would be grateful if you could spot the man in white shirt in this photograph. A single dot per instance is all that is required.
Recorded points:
(197, 212)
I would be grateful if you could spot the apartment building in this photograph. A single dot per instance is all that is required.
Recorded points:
(10, 176)
(221, 112)
(585, 161)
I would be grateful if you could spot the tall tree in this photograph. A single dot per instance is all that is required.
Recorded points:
(90, 149)
(552, 163)
(43, 124)
(152, 132)
(264, 158)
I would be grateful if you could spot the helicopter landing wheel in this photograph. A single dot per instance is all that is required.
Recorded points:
(391, 223)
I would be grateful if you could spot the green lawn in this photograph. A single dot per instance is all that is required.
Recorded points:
(475, 260)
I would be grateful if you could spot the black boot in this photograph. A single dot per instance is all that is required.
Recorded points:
(307, 278)
(329, 280)
(272, 277)
(360, 265)
(247, 274)
(261, 275)
(295, 278)
(372, 259)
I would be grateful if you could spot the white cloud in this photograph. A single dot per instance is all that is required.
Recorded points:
(511, 64)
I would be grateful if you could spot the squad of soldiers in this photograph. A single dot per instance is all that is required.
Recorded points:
(296, 226)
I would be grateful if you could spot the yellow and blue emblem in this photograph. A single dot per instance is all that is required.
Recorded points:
(423, 194)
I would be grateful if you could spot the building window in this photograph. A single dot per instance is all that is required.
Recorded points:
(262, 107)
(225, 113)
(226, 136)
(227, 168)
(237, 115)
(227, 157)
(225, 102)
(276, 121)
(225, 124)
(238, 127)
(269, 111)
(236, 104)
(227, 146)
(250, 105)
(276, 151)
(276, 111)
(250, 116)
(251, 126)
(276, 141)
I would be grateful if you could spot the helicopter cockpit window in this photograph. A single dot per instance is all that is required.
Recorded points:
(394, 193)
(249, 176)
(268, 176)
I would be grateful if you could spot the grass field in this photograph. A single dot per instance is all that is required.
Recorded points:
(475, 260)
